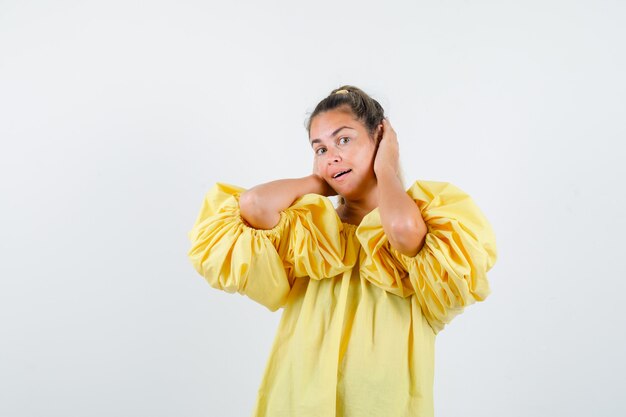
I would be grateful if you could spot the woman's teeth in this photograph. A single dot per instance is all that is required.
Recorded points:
(341, 173)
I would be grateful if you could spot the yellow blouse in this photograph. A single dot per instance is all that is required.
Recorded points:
(357, 333)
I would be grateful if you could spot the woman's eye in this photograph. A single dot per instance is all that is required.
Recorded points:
(344, 140)
(320, 151)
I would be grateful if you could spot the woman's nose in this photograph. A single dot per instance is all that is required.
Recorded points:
(333, 155)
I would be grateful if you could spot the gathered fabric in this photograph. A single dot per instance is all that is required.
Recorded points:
(359, 320)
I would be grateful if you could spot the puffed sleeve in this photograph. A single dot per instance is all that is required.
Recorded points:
(263, 263)
(450, 271)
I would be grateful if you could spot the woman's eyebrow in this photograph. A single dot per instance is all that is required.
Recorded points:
(332, 134)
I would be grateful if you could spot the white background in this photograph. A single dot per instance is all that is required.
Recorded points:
(116, 117)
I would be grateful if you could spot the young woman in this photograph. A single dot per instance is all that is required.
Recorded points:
(365, 286)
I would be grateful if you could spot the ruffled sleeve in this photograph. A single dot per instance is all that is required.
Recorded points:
(450, 271)
(262, 264)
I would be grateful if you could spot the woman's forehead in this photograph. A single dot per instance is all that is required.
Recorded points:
(326, 124)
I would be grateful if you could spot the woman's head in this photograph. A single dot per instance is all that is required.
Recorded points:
(344, 130)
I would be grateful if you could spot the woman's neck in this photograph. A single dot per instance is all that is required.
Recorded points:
(353, 210)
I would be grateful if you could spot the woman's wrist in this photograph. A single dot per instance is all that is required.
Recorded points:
(386, 173)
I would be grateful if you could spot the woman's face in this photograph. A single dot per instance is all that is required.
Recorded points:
(344, 152)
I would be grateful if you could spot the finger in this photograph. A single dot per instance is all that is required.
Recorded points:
(387, 124)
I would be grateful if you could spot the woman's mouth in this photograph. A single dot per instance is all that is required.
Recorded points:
(341, 174)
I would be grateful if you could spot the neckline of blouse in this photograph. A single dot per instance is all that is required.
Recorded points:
(347, 225)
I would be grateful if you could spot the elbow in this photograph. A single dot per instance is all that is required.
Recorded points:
(407, 237)
(250, 207)
(254, 211)
(248, 203)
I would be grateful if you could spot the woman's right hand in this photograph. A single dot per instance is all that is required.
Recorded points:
(323, 187)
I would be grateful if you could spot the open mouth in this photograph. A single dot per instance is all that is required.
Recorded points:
(339, 174)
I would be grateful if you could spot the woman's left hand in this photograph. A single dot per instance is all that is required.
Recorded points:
(387, 153)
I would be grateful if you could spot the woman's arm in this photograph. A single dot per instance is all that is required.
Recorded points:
(261, 205)
(401, 218)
